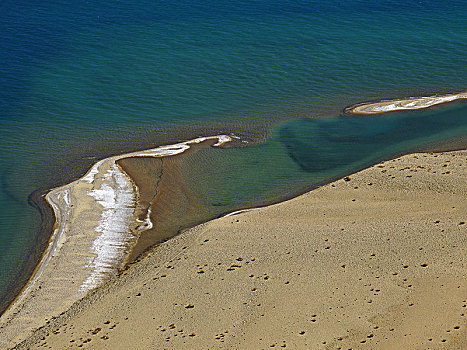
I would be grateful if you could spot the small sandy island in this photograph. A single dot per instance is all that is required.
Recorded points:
(376, 260)
(404, 104)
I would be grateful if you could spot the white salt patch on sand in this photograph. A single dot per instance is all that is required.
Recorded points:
(239, 212)
(147, 223)
(165, 151)
(222, 139)
(417, 102)
(178, 148)
(406, 104)
(117, 196)
(89, 177)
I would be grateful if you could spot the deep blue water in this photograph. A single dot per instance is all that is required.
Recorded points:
(84, 79)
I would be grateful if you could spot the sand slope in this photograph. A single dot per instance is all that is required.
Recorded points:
(373, 261)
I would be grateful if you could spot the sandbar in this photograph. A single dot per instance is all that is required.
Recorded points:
(98, 222)
(412, 103)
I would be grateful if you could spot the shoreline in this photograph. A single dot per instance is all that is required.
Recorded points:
(99, 250)
(403, 104)
(101, 263)
(421, 176)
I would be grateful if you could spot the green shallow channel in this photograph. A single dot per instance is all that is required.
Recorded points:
(303, 153)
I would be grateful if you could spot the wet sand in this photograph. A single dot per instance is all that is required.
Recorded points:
(412, 103)
(165, 198)
(374, 260)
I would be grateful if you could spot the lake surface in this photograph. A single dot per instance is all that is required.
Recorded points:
(83, 80)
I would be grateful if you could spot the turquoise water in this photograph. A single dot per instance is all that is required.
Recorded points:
(308, 152)
(79, 81)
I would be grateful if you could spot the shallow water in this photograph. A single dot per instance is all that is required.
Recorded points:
(307, 152)
(79, 81)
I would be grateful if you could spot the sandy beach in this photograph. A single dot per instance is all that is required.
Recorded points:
(233, 175)
(375, 260)
(412, 103)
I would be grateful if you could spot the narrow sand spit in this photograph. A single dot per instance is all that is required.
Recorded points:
(376, 260)
(96, 226)
(404, 104)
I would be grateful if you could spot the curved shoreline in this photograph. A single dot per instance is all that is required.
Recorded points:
(405, 104)
(352, 241)
(111, 197)
(103, 201)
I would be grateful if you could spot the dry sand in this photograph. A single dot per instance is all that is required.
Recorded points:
(375, 260)
(405, 104)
